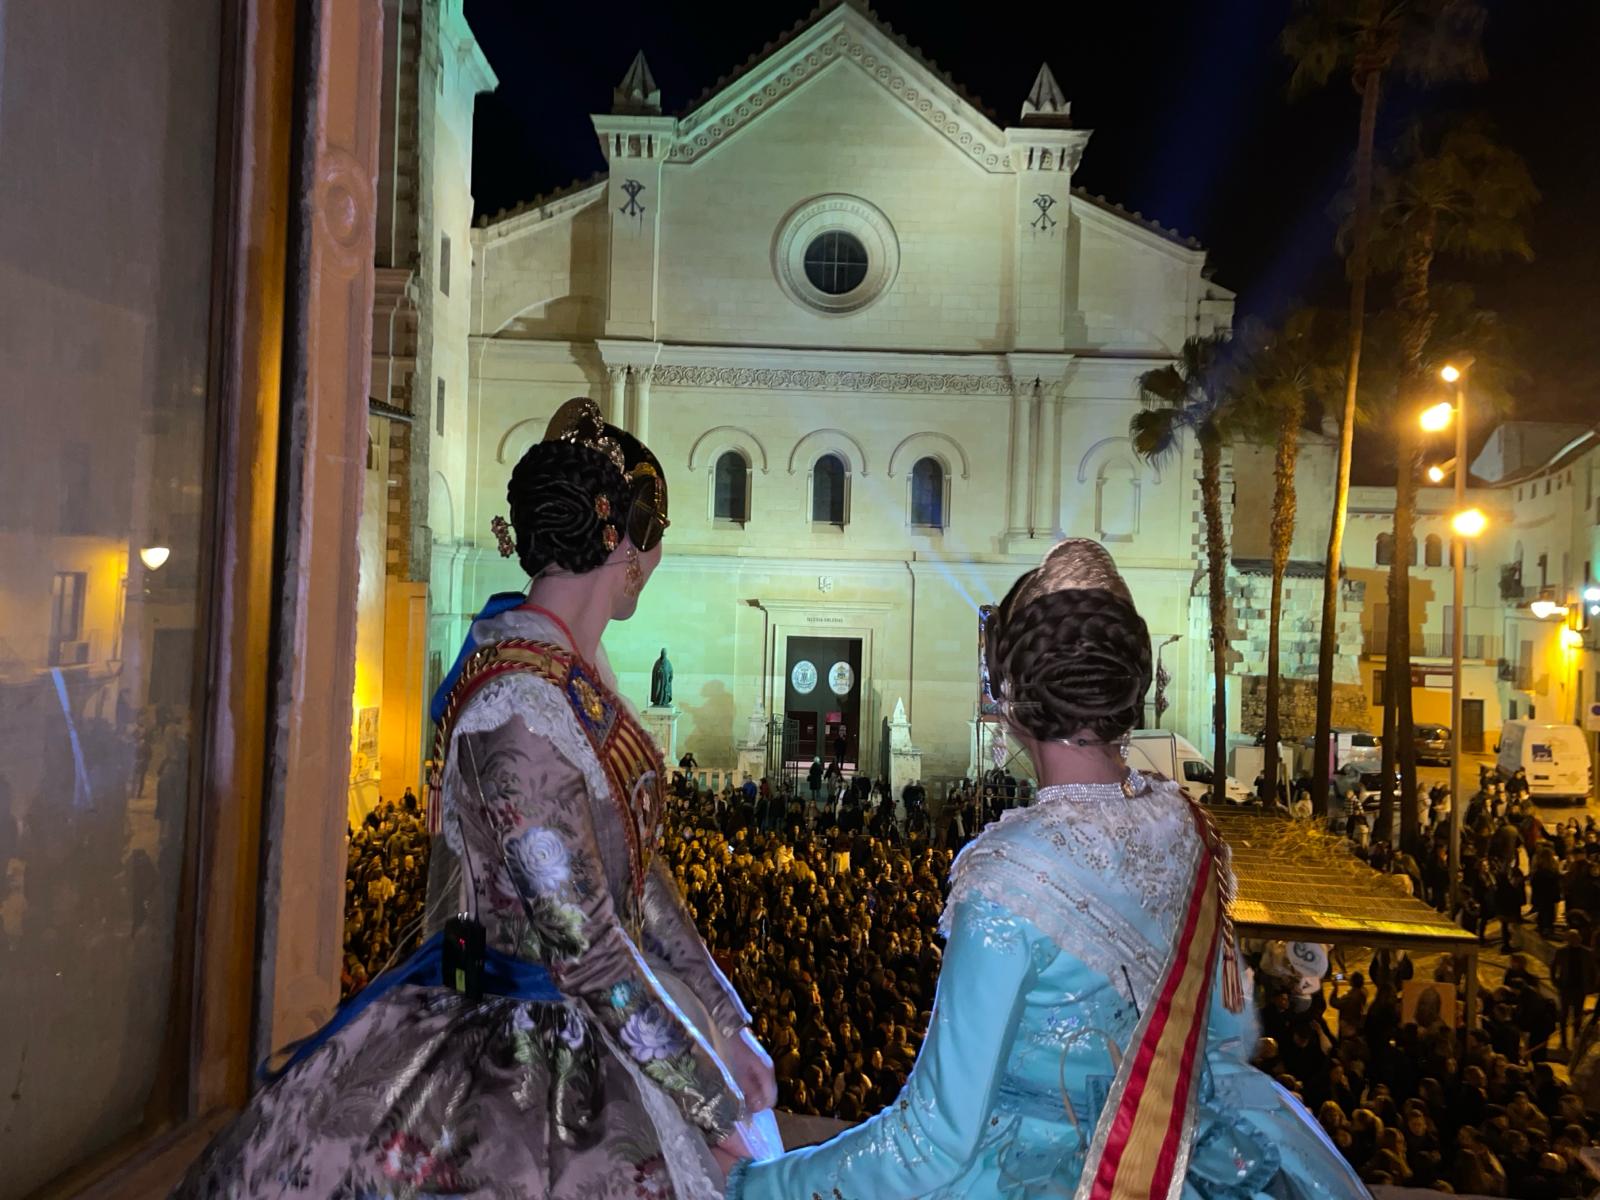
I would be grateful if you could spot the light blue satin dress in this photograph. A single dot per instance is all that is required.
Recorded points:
(1060, 919)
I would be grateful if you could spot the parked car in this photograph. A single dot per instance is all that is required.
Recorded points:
(1353, 747)
(1433, 744)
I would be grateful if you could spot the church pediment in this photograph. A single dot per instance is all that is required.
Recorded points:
(845, 35)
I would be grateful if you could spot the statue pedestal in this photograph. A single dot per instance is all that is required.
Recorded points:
(661, 723)
(905, 760)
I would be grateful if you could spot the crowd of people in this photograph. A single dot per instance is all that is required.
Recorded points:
(825, 921)
(386, 889)
(825, 918)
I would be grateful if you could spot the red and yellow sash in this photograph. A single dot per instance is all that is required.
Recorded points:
(1140, 1146)
(632, 764)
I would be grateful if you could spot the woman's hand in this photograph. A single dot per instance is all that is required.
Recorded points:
(731, 1150)
(751, 1068)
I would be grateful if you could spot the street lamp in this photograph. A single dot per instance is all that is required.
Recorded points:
(154, 557)
(1545, 609)
(1464, 524)
(1436, 474)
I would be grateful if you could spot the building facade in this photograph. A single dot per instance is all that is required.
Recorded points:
(887, 353)
(1538, 484)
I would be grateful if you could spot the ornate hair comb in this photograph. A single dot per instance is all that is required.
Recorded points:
(579, 421)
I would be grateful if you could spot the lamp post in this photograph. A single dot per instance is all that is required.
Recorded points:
(1463, 524)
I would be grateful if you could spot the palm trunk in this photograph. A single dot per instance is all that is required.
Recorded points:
(1400, 647)
(1391, 688)
(1417, 327)
(1283, 513)
(1217, 571)
(1370, 83)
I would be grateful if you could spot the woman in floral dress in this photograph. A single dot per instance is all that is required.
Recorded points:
(592, 1050)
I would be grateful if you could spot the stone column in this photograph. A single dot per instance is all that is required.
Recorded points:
(1019, 482)
(1046, 521)
(639, 420)
(617, 379)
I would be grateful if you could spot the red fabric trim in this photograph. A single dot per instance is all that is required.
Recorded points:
(1117, 1141)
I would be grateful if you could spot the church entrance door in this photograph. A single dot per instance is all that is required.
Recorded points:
(822, 696)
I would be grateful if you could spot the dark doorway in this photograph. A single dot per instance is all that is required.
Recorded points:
(1472, 726)
(822, 696)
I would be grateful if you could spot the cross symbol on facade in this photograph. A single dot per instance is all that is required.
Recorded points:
(632, 208)
(1044, 202)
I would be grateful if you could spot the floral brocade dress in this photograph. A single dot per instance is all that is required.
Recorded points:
(614, 1090)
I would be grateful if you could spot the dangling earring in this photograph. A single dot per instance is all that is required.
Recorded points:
(633, 581)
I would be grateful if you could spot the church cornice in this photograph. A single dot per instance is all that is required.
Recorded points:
(814, 380)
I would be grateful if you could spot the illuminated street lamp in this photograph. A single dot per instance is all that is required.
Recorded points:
(1545, 609)
(154, 557)
(1435, 474)
(1466, 523)
(1438, 417)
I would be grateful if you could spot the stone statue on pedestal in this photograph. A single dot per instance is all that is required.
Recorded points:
(661, 682)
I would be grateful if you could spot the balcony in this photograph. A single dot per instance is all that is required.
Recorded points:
(1474, 646)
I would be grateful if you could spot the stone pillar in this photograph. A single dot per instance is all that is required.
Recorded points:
(636, 140)
(905, 760)
(1044, 152)
(1047, 464)
(661, 723)
(1019, 502)
(639, 419)
(616, 410)
(753, 746)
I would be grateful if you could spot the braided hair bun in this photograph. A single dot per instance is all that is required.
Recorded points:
(563, 496)
(1073, 659)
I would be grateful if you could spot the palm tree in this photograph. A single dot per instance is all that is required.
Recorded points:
(1463, 194)
(1285, 375)
(1428, 41)
(1193, 394)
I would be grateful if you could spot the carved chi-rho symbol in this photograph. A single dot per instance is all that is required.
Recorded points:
(632, 208)
(1044, 202)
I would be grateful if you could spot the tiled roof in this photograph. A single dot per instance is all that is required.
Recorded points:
(548, 198)
(1138, 218)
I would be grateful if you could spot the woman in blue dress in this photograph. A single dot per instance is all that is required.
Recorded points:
(1090, 1037)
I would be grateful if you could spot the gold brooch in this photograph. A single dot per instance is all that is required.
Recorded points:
(590, 699)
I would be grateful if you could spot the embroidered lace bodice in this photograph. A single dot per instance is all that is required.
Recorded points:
(1103, 875)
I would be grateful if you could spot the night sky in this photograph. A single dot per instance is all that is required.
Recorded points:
(1192, 127)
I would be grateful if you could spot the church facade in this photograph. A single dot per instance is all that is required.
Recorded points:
(887, 354)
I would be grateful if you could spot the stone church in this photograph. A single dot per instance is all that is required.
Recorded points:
(887, 353)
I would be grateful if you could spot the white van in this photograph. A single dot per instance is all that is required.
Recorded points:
(1176, 757)
(1556, 758)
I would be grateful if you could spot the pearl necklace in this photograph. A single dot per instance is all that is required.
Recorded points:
(1091, 793)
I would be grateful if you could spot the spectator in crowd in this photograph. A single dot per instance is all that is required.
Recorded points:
(386, 885)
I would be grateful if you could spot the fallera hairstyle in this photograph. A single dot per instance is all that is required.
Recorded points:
(1067, 651)
(574, 495)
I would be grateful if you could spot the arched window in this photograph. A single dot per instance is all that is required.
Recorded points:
(1116, 501)
(732, 488)
(1433, 549)
(1384, 553)
(927, 493)
(827, 491)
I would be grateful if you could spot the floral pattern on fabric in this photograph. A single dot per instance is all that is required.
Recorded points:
(611, 1095)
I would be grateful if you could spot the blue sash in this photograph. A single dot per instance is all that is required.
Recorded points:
(503, 975)
(498, 603)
